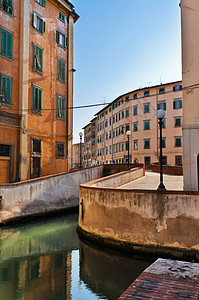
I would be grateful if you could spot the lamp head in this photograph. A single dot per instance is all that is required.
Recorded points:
(80, 134)
(128, 133)
(160, 114)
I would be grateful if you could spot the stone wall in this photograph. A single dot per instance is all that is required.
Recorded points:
(46, 194)
(141, 220)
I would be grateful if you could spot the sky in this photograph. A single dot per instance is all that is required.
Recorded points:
(122, 45)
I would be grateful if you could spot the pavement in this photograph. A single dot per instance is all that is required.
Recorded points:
(151, 182)
(166, 279)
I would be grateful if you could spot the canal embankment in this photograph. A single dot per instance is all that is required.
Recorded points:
(162, 223)
(44, 195)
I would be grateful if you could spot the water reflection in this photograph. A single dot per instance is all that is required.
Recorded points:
(45, 260)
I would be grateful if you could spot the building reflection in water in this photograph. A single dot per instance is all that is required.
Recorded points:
(36, 260)
(108, 273)
(41, 261)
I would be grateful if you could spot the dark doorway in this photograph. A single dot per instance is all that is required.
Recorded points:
(36, 167)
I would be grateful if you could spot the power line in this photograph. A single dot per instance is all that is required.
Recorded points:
(194, 86)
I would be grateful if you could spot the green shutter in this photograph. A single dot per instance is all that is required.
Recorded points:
(63, 72)
(6, 89)
(43, 26)
(34, 20)
(44, 3)
(158, 106)
(3, 42)
(180, 103)
(65, 41)
(165, 105)
(6, 44)
(57, 36)
(37, 99)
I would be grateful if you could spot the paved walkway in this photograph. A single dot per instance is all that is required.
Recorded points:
(166, 279)
(151, 181)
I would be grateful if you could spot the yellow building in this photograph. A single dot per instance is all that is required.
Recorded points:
(190, 82)
(136, 112)
(36, 88)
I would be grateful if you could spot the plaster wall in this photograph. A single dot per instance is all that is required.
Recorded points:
(50, 193)
(161, 220)
(190, 81)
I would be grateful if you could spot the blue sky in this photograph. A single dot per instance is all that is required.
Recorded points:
(122, 45)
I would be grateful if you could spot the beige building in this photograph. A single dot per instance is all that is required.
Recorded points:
(76, 155)
(190, 80)
(90, 145)
(136, 112)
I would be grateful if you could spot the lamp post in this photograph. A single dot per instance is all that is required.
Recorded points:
(128, 133)
(80, 135)
(160, 114)
(87, 147)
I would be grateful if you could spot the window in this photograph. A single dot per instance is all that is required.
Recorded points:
(110, 121)
(38, 23)
(37, 58)
(113, 133)
(178, 122)
(33, 268)
(146, 108)
(146, 93)
(135, 110)
(163, 142)
(5, 90)
(6, 43)
(135, 144)
(106, 136)
(127, 113)
(116, 132)
(178, 142)
(7, 6)
(109, 149)
(113, 119)
(161, 105)
(109, 109)
(61, 17)
(146, 125)
(127, 128)
(116, 118)
(127, 99)
(127, 145)
(41, 2)
(177, 104)
(161, 90)
(37, 99)
(177, 88)
(163, 123)
(36, 146)
(109, 134)
(60, 107)
(122, 146)
(4, 150)
(135, 96)
(122, 114)
(106, 123)
(60, 149)
(178, 160)
(147, 160)
(61, 39)
(147, 144)
(164, 160)
(60, 70)
(135, 126)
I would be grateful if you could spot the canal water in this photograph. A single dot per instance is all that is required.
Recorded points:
(45, 260)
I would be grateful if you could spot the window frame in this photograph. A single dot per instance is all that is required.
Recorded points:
(6, 103)
(147, 140)
(10, 33)
(135, 123)
(57, 154)
(146, 105)
(36, 16)
(135, 144)
(36, 110)
(62, 116)
(8, 13)
(62, 61)
(58, 33)
(38, 70)
(175, 119)
(178, 138)
(41, 2)
(61, 17)
(146, 122)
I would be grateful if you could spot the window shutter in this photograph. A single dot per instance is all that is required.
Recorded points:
(63, 71)
(174, 105)
(44, 3)
(180, 103)
(9, 45)
(59, 70)
(9, 90)
(165, 105)
(34, 98)
(40, 100)
(65, 41)
(34, 20)
(158, 106)
(57, 36)
(3, 43)
(43, 26)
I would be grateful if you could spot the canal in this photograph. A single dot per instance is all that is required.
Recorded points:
(45, 260)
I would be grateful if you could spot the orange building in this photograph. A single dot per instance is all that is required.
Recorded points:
(36, 88)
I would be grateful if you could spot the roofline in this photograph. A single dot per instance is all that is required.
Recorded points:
(69, 6)
(140, 89)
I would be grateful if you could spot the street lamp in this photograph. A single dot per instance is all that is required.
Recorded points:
(160, 114)
(87, 147)
(128, 133)
(80, 135)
